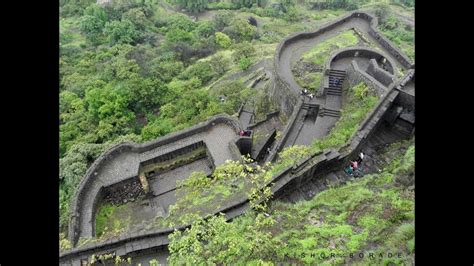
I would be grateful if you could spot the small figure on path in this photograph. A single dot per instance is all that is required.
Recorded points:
(354, 165)
(360, 158)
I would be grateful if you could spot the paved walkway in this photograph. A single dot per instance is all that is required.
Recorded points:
(295, 50)
(126, 165)
(382, 137)
(306, 130)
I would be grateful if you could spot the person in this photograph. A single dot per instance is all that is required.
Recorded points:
(354, 165)
(349, 170)
(305, 91)
(360, 158)
(311, 96)
(242, 133)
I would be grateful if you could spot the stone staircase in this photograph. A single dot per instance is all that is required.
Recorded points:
(336, 78)
(329, 112)
(384, 135)
(311, 109)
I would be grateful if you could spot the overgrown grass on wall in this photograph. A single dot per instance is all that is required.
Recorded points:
(368, 215)
(319, 54)
(360, 100)
(230, 183)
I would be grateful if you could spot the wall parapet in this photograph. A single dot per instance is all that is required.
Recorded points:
(307, 166)
(100, 162)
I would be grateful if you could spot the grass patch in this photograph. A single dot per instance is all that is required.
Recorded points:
(109, 220)
(360, 101)
(352, 218)
(321, 52)
(311, 81)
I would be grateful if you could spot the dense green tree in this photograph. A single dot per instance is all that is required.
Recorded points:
(166, 70)
(223, 40)
(241, 30)
(219, 64)
(243, 3)
(93, 22)
(180, 21)
(201, 70)
(73, 7)
(121, 32)
(157, 128)
(243, 50)
(222, 19)
(138, 18)
(178, 35)
(193, 5)
(147, 93)
(204, 29)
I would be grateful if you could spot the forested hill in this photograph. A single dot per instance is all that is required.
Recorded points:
(139, 69)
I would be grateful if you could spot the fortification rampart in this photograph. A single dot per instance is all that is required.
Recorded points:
(85, 187)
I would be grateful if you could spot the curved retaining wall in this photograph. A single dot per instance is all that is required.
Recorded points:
(362, 51)
(287, 96)
(306, 167)
(378, 78)
(116, 150)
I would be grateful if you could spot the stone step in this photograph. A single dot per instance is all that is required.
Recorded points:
(335, 71)
(333, 89)
(336, 86)
(330, 112)
(309, 105)
(337, 76)
(335, 93)
(331, 73)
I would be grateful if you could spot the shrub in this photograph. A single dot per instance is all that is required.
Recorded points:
(223, 40)
(245, 63)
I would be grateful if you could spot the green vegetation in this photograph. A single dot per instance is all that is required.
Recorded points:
(318, 56)
(131, 71)
(395, 30)
(360, 100)
(137, 70)
(105, 224)
(311, 81)
(320, 53)
(369, 215)
(233, 180)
